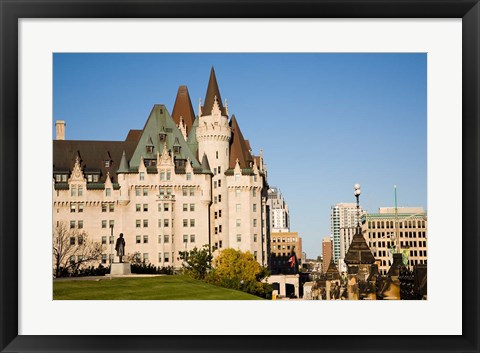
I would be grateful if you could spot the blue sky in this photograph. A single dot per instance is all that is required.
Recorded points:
(324, 121)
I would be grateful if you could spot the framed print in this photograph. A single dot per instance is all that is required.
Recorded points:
(320, 95)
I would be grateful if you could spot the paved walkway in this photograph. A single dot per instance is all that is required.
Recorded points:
(103, 278)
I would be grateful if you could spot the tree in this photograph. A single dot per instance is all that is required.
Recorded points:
(197, 262)
(71, 249)
(239, 270)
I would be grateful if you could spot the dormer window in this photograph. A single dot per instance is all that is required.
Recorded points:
(95, 178)
(176, 149)
(89, 178)
(149, 149)
(107, 164)
(162, 137)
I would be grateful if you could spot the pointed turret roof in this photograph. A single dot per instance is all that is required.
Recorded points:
(192, 139)
(183, 108)
(123, 168)
(205, 164)
(212, 93)
(238, 147)
(332, 271)
(359, 252)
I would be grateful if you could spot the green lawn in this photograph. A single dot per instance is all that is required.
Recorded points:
(153, 288)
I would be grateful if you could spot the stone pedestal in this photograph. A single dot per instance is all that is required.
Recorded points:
(120, 269)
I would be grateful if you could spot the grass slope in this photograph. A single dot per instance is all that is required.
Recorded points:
(153, 288)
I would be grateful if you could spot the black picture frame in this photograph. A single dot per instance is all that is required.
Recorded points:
(11, 11)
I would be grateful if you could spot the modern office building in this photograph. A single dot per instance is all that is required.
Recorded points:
(183, 181)
(408, 223)
(343, 220)
(278, 208)
(326, 253)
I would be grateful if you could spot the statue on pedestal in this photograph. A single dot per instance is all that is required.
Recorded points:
(120, 247)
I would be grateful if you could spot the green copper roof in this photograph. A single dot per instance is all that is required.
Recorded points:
(192, 139)
(124, 168)
(160, 122)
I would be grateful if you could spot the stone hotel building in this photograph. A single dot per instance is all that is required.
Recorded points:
(181, 182)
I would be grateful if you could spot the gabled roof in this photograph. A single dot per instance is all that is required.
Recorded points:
(91, 155)
(359, 252)
(205, 164)
(212, 93)
(160, 122)
(183, 108)
(134, 135)
(238, 147)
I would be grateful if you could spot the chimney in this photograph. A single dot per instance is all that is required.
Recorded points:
(60, 125)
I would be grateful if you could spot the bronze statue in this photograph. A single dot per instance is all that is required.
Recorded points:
(120, 247)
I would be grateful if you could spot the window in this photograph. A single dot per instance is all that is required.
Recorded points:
(239, 222)
(219, 198)
(254, 238)
(184, 191)
(138, 239)
(220, 228)
(138, 207)
(95, 178)
(214, 171)
(138, 223)
(145, 192)
(107, 164)
(145, 256)
(189, 176)
(165, 222)
(216, 230)
(58, 178)
(142, 175)
(238, 207)
(255, 177)
(80, 240)
(192, 223)
(216, 215)
(111, 207)
(149, 149)
(192, 207)
(216, 154)
(145, 207)
(162, 191)
(219, 243)
(72, 208)
(254, 207)
(104, 240)
(185, 238)
(137, 191)
(185, 223)
(254, 192)
(219, 170)
(111, 223)
(219, 213)
(104, 224)
(104, 258)
(145, 223)
(80, 224)
(108, 192)
(162, 175)
(215, 199)
(73, 191)
(239, 238)
(72, 259)
(72, 240)
(237, 177)
(80, 191)
(80, 207)
(214, 184)
(169, 174)
(255, 255)
(166, 238)
(219, 183)
(145, 239)
(185, 207)
(165, 207)
(192, 191)
(166, 257)
(237, 192)
(192, 238)
(169, 191)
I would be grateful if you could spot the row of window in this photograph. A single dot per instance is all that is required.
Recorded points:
(379, 235)
(238, 207)
(401, 224)
(76, 224)
(403, 244)
(165, 191)
(283, 240)
(76, 240)
(280, 247)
